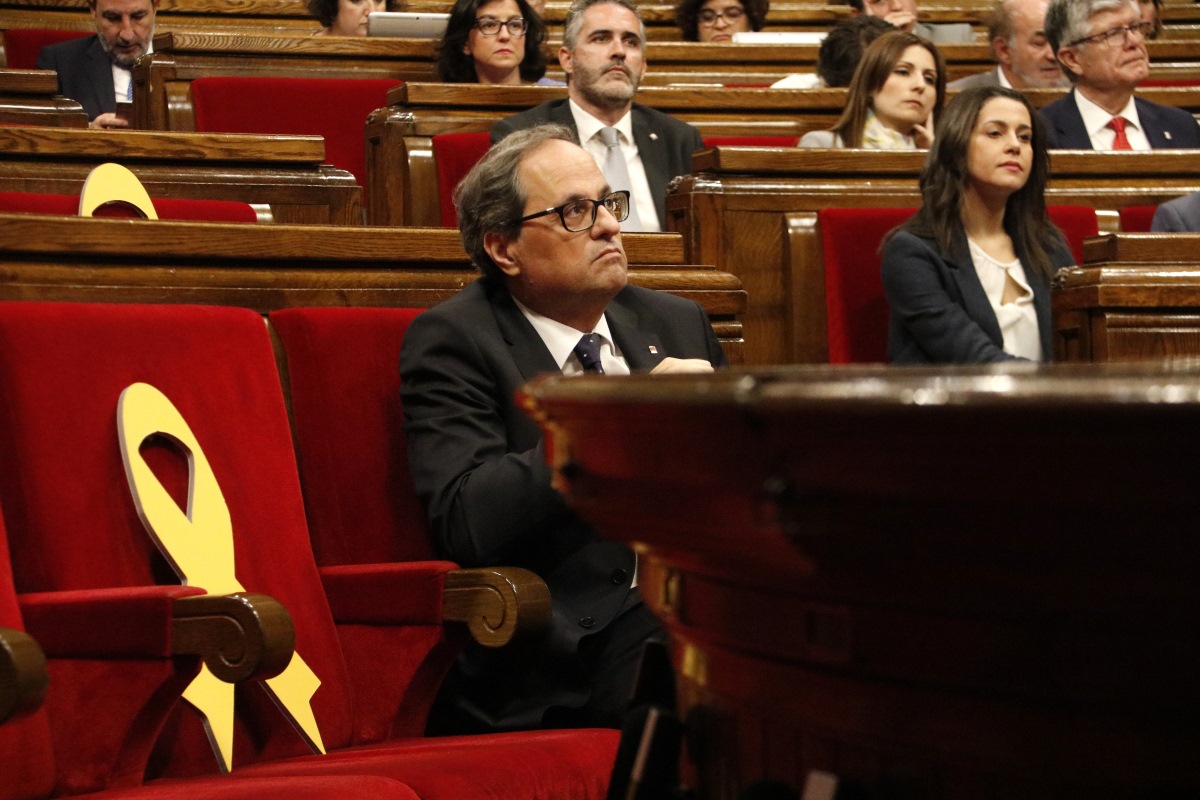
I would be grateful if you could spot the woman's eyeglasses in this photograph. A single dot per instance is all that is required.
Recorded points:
(490, 26)
(730, 15)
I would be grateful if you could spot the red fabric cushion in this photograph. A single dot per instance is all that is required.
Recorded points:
(1137, 219)
(455, 154)
(335, 108)
(1170, 82)
(68, 205)
(1076, 223)
(855, 308)
(343, 371)
(21, 46)
(751, 141)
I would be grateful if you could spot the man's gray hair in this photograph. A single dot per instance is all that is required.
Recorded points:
(491, 198)
(1067, 20)
(574, 21)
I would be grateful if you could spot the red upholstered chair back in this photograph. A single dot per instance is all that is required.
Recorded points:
(1076, 223)
(26, 757)
(21, 46)
(342, 367)
(1137, 219)
(63, 485)
(455, 154)
(751, 141)
(68, 205)
(331, 107)
(855, 308)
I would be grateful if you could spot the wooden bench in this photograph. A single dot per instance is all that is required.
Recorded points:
(752, 212)
(1135, 297)
(845, 594)
(30, 97)
(269, 267)
(284, 173)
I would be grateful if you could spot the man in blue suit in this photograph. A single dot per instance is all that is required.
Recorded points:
(95, 70)
(1101, 45)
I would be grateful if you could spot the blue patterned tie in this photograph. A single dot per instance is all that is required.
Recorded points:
(588, 353)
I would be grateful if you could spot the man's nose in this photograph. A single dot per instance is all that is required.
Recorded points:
(606, 223)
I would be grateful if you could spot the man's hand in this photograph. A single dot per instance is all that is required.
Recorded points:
(108, 120)
(681, 365)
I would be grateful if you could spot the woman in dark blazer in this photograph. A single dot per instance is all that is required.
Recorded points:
(967, 279)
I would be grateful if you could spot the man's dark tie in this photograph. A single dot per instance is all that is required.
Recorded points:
(588, 353)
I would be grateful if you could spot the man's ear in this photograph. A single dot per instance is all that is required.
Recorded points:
(1069, 59)
(499, 248)
(1001, 49)
(566, 60)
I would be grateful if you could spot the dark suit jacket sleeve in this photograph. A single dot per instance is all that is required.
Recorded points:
(915, 281)
(483, 501)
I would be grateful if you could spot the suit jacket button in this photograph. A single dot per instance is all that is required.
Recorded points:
(587, 622)
(618, 576)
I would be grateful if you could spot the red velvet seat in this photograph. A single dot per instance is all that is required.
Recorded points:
(855, 307)
(455, 154)
(1137, 219)
(22, 45)
(378, 665)
(334, 108)
(167, 208)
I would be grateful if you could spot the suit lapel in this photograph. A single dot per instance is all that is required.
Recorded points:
(975, 299)
(1072, 133)
(99, 71)
(652, 148)
(1152, 125)
(640, 346)
(528, 350)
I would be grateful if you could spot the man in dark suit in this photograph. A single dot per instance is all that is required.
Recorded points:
(95, 70)
(1101, 45)
(537, 217)
(603, 54)
(1023, 54)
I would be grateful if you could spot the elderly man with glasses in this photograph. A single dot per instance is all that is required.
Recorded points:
(1101, 46)
(543, 225)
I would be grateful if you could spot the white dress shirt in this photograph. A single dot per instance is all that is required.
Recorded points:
(123, 78)
(1096, 119)
(1018, 319)
(588, 128)
(561, 339)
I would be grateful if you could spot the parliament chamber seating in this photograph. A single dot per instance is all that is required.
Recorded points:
(336, 109)
(30, 97)
(167, 209)
(1134, 219)
(22, 45)
(372, 633)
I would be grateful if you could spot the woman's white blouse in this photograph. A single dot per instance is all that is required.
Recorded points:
(1018, 319)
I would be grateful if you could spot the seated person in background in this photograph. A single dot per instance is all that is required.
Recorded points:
(539, 220)
(903, 14)
(967, 279)
(95, 70)
(1152, 13)
(344, 17)
(894, 98)
(1101, 45)
(1024, 55)
(493, 41)
(1181, 215)
(719, 20)
(839, 54)
(639, 148)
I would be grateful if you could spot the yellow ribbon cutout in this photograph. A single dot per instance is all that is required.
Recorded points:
(199, 547)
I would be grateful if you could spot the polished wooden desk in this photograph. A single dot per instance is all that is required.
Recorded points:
(30, 97)
(1136, 297)
(862, 576)
(752, 212)
(283, 172)
(269, 267)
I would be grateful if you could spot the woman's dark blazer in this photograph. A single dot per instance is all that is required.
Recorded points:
(939, 311)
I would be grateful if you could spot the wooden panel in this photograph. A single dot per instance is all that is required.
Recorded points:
(30, 97)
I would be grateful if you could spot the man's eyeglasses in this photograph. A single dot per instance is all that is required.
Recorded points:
(730, 15)
(490, 26)
(580, 215)
(1115, 37)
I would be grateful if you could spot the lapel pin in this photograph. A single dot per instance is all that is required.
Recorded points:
(653, 349)
(654, 137)
(1167, 134)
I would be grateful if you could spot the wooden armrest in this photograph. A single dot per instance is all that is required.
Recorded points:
(23, 675)
(239, 636)
(497, 604)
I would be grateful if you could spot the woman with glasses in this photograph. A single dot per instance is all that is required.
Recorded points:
(967, 278)
(344, 17)
(719, 20)
(895, 96)
(497, 42)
